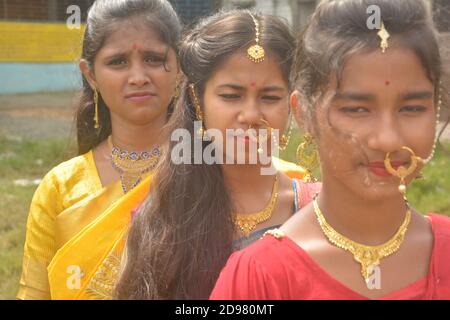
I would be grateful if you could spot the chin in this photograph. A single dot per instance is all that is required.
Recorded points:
(147, 115)
(376, 191)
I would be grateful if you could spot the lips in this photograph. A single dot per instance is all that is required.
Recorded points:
(378, 168)
(243, 137)
(140, 95)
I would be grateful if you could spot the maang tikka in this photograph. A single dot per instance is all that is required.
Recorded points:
(256, 52)
(384, 36)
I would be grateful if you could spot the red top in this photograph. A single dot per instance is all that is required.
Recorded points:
(273, 269)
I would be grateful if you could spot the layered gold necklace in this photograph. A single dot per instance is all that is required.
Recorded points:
(248, 222)
(367, 256)
(132, 165)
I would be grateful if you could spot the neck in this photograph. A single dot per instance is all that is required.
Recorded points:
(243, 181)
(133, 137)
(369, 222)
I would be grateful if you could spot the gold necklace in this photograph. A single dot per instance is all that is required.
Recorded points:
(132, 165)
(367, 256)
(248, 222)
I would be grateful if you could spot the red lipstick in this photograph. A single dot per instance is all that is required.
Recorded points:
(378, 168)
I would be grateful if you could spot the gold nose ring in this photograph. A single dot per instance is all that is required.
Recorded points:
(402, 172)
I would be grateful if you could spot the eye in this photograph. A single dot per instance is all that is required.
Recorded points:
(271, 98)
(117, 62)
(154, 59)
(413, 109)
(354, 110)
(230, 96)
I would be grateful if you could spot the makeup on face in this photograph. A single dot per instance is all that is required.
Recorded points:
(378, 167)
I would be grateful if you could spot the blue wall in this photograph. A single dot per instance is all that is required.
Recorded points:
(39, 77)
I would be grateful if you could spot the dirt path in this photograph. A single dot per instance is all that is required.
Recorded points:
(39, 115)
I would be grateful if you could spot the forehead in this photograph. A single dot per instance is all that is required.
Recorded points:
(370, 71)
(127, 34)
(238, 68)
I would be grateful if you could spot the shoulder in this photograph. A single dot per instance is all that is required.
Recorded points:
(267, 269)
(441, 224)
(62, 178)
(441, 254)
(70, 171)
(441, 230)
(72, 167)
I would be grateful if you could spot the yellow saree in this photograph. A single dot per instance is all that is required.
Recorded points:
(83, 237)
(68, 200)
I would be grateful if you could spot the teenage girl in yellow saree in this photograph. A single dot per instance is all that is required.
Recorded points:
(129, 64)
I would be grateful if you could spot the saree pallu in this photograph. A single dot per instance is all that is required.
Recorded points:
(68, 200)
(88, 264)
(90, 237)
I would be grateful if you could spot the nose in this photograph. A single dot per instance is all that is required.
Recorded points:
(386, 135)
(138, 75)
(250, 114)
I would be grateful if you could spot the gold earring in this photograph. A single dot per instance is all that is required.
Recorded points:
(177, 90)
(402, 172)
(284, 139)
(307, 156)
(198, 110)
(96, 125)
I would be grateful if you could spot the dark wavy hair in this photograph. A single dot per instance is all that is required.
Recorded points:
(102, 19)
(182, 236)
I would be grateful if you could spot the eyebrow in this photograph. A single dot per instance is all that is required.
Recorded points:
(419, 95)
(354, 96)
(125, 53)
(239, 87)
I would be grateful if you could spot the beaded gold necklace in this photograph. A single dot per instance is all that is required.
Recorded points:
(132, 165)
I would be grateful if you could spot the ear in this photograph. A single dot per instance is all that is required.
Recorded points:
(88, 73)
(298, 109)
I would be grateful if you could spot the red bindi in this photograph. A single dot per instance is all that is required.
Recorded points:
(135, 46)
(253, 83)
(387, 82)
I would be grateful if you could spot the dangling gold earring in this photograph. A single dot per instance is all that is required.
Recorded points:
(401, 171)
(284, 140)
(198, 111)
(307, 157)
(96, 125)
(177, 90)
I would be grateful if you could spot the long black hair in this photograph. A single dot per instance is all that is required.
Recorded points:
(182, 236)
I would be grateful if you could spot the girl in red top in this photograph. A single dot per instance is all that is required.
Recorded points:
(371, 98)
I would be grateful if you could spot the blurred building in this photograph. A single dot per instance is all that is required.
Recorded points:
(38, 52)
(296, 12)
